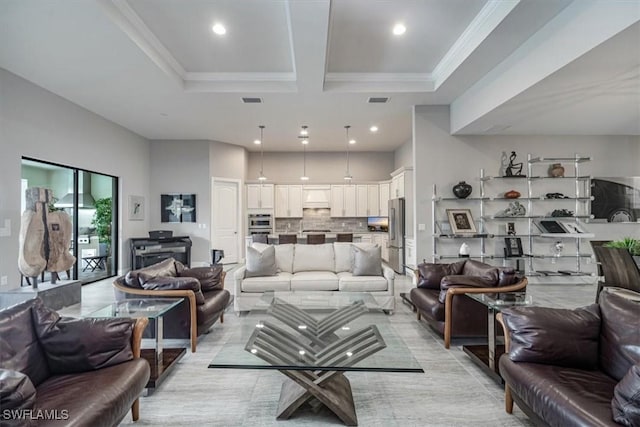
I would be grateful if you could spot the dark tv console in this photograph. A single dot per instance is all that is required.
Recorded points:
(146, 251)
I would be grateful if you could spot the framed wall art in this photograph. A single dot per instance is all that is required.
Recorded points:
(512, 247)
(615, 199)
(136, 208)
(461, 221)
(178, 208)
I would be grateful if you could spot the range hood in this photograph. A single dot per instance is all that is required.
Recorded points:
(316, 196)
(85, 199)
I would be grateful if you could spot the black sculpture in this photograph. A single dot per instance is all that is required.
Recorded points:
(514, 170)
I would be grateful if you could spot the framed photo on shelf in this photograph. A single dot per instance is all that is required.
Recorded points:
(551, 226)
(461, 221)
(512, 247)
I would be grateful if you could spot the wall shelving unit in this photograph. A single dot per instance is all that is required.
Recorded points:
(488, 242)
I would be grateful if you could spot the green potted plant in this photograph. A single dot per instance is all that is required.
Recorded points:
(102, 222)
(628, 243)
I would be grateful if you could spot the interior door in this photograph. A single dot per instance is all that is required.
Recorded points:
(225, 232)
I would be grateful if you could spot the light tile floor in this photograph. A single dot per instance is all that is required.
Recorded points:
(452, 391)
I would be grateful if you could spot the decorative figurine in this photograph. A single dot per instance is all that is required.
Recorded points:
(514, 170)
(512, 194)
(514, 209)
(462, 190)
(464, 250)
(556, 170)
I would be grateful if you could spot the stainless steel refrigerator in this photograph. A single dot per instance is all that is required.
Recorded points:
(396, 234)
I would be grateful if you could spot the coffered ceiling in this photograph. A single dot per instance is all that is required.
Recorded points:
(157, 68)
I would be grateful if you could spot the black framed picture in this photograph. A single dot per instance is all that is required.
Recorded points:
(512, 247)
(178, 208)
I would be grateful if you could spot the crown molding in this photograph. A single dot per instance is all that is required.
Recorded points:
(485, 22)
(122, 14)
(379, 82)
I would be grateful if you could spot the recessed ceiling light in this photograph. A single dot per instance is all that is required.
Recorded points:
(373, 128)
(352, 141)
(304, 131)
(304, 178)
(219, 29)
(257, 142)
(399, 29)
(305, 141)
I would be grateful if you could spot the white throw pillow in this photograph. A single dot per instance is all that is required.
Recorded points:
(284, 255)
(344, 257)
(261, 263)
(367, 262)
(313, 257)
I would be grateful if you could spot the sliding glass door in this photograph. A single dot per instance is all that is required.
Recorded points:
(90, 200)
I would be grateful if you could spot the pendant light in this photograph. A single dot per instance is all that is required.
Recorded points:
(347, 176)
(304, 136)
(304, 176)
(261, 177)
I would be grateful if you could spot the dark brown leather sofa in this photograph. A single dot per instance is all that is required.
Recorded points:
(440, 295)
(202, 287)
(575, 367)
(57, 371)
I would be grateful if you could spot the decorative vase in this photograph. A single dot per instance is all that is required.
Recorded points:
(512, 194)
(464, 250)
(462, 190)
(556, 170)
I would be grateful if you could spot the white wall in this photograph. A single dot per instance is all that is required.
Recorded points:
(403, 155)
(228, 161)
(36, 123)
(443, 159)
(183, 167)
(322, 167)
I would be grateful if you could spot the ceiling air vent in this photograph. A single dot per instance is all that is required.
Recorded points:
(378, 100)
(248, 100)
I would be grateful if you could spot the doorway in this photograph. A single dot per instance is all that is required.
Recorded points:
(226, 220)
(91, 201)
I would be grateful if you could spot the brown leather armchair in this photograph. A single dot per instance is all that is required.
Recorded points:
(201, 287)
(440, 295)
(575, 367)
(86, 372)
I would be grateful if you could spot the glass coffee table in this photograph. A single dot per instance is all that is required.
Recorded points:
(487, 355)
(314, 338)
(160, 359)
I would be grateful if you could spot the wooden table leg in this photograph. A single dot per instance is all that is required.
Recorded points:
(335, 393)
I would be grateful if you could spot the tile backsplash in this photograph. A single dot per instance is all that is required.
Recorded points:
(320, 219)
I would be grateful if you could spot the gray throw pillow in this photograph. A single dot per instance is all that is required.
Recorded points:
(366, 262)
(261, 263)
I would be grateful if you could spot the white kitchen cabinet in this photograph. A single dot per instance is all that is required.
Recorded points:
(362, 200)
(260, 196)
(384, 198)
(288, 201)
(410, 253)
(366, 238)
(397, 186)
(402, 186)
(367, 200)
(382, 239)
(343, 201)
(350, 201)
(373, 204)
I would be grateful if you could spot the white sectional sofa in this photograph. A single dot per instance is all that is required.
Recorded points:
(302, 267)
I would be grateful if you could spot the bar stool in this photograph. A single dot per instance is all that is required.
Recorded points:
(259, 238)
(315, 239)
(344, 237)
(287, 238)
